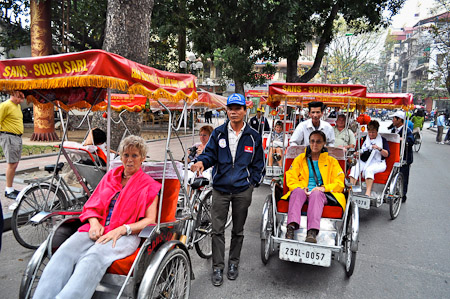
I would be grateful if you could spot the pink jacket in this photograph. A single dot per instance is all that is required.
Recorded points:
(134, 199)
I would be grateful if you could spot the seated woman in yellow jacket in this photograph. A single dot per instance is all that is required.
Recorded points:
(311, 175)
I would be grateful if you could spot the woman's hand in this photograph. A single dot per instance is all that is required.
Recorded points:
(96, 230)
(321, 188)
(113, 235)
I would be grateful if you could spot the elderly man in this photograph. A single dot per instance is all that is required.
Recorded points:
(11, 130)
(398, 125)
(304, 129)
(259, 122)
(344, 137)
(235, 151)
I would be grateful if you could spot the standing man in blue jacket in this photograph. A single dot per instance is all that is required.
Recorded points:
(235, 151)
(398, 125)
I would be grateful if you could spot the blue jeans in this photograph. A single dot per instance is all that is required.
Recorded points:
(77, 267)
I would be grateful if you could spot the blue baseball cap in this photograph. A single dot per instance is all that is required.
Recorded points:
(236, 98)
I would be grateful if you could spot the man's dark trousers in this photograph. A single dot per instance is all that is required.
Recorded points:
(240, 203)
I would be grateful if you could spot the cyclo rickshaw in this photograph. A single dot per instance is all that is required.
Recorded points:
(339, 228)
(388, 185)
(161, 266)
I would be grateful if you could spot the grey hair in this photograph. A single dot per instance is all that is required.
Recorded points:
(133, 141)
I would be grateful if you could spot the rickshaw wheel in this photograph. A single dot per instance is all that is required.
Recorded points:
(395, 202)
(173, 276)
(203, 242)
(33, 201)
(417, 145)
(33, 272)
(350, 256)
(267, 223)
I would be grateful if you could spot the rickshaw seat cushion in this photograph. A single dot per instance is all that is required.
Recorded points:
(394, 147)
(170, 200)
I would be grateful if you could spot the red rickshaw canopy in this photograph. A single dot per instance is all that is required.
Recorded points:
(330, 94)
(390, 100)
(76, 79)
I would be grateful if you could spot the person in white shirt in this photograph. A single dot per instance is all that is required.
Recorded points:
(344, 137)
(304, 129)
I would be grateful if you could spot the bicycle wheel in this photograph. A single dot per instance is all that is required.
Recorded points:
(172, 278)
(203, 227)
(33, 272)
(417, 145)
(34, 200)
(350, 256)
(396, 191)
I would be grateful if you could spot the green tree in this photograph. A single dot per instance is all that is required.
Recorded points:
(360, 15)
(236, 32)
(14, 32)
(440, 32)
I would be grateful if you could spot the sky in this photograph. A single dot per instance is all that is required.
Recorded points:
(407, 18)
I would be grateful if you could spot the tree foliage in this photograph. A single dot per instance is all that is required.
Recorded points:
(237, 29)
(440, 32)
(14, 30)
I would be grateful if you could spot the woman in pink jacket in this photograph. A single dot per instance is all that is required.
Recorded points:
(124, 203)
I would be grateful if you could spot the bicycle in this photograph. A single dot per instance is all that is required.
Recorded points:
(198, 228)
(42, 196)
(418, 141)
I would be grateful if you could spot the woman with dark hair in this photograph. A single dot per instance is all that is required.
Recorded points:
(311, 175)
(373, 153)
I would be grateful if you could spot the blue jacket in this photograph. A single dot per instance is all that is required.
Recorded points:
(248, 167)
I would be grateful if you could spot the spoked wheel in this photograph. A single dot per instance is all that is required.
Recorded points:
(417, 144)
(173, 276)
(203, 227)
(267, 224)
(350, 256)
(34, 200)
(33, 272)
(396, 197)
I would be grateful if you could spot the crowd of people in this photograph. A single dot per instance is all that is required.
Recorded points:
(234, 151)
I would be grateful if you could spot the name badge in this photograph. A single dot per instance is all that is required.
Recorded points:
(222, 143)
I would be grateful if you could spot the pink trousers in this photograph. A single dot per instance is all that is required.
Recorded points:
(316, 201)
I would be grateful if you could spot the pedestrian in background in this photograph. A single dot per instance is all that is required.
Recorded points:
(11, 130)
(235, 151)
(440, 128)
(259, 122)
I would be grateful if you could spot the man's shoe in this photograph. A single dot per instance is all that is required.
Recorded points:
(311, 236)
(290, 232)
(12, 195)
(233, 271)
(404, 199)
(217, 277)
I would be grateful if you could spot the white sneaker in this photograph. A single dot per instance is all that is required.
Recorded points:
(442, 142)
(13, 206)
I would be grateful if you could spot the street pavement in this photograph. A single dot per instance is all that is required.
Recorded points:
(408, 257)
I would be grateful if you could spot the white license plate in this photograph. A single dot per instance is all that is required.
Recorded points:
(305, 254)
(363, 203)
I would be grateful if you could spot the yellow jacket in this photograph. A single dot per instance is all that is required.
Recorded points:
(331, 171)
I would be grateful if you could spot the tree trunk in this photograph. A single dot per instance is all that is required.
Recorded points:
(127, 33)
(182, 48)
(41, 45)
(291, 72)
(325, 39)
(239, 87)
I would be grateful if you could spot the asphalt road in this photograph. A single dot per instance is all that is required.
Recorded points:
(405, 258)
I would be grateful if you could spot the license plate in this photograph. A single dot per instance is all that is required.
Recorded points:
(305, 254)
(363, 203)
